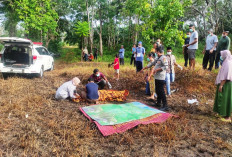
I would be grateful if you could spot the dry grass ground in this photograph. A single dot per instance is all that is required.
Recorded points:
(33, 123)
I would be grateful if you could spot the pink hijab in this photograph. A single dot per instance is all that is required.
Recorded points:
(225, 72)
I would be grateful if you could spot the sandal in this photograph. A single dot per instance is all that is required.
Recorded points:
(225, 120)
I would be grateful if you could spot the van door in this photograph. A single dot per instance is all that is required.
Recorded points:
(47, 56)
(43, 56)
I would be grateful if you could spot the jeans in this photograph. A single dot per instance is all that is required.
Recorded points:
(159, 88)
(85, 57)
(148, 90)
(121, 60)
(170, 77)
(208, 57)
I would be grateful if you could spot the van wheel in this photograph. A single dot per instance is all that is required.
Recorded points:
(40, 75)
(52, 67)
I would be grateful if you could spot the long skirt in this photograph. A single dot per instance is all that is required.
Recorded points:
(223, 100)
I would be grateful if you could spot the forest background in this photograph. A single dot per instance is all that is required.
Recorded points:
(66, 26)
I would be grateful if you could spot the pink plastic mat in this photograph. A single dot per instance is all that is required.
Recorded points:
(107, 130)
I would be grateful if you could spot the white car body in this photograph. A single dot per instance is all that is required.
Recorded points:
(37, 58)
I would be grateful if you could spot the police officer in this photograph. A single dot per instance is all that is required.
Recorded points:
(159, 73)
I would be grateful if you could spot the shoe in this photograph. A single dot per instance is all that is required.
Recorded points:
(157, 104)
(164, 108)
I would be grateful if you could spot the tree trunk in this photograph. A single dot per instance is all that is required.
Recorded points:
(89, 38)
(12, 30)
(100, 35)
(92, 30)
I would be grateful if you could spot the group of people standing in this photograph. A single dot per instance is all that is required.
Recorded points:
(215, 52)
(137, 56)
(211, 51)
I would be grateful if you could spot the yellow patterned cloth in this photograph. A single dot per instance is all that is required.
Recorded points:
(108, 95)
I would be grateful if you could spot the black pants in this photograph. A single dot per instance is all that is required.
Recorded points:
(121, 60)
(139, 66)
(159, 89)
(208, 58)
(95, 56)
(101, 84)
(186, 59)
(132, 60)
(217, 60)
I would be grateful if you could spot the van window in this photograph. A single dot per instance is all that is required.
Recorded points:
(42, 51)
(17, 49)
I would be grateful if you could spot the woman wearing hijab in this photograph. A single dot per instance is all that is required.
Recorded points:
(223, 98)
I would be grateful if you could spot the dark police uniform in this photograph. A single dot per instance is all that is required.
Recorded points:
(160, 76)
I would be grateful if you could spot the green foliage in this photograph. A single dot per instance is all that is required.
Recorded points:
(38, 15)
(55, 46)
(82, 28)
(166, 17)
(1, 47)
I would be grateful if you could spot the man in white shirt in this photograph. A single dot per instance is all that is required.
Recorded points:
(192, 46)
(67, 90)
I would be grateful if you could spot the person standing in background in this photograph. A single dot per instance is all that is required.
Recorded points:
(170, 71)
(133, 55)
(116, 67)
(159, 43)
(140, 52)
(210, 50)
(192, 46)
(223, 44)
(95, 53)
(121, 55)
(153, 51)
(185, 50)
(85, 54)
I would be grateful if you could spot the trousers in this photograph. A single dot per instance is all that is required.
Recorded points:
(159, 88)
(121, 60)
(170, 77)
(132, 60)
(208, 58)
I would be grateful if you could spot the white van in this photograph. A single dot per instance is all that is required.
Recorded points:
(21, 56)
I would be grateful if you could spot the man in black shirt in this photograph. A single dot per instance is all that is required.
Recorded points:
(185, 49)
